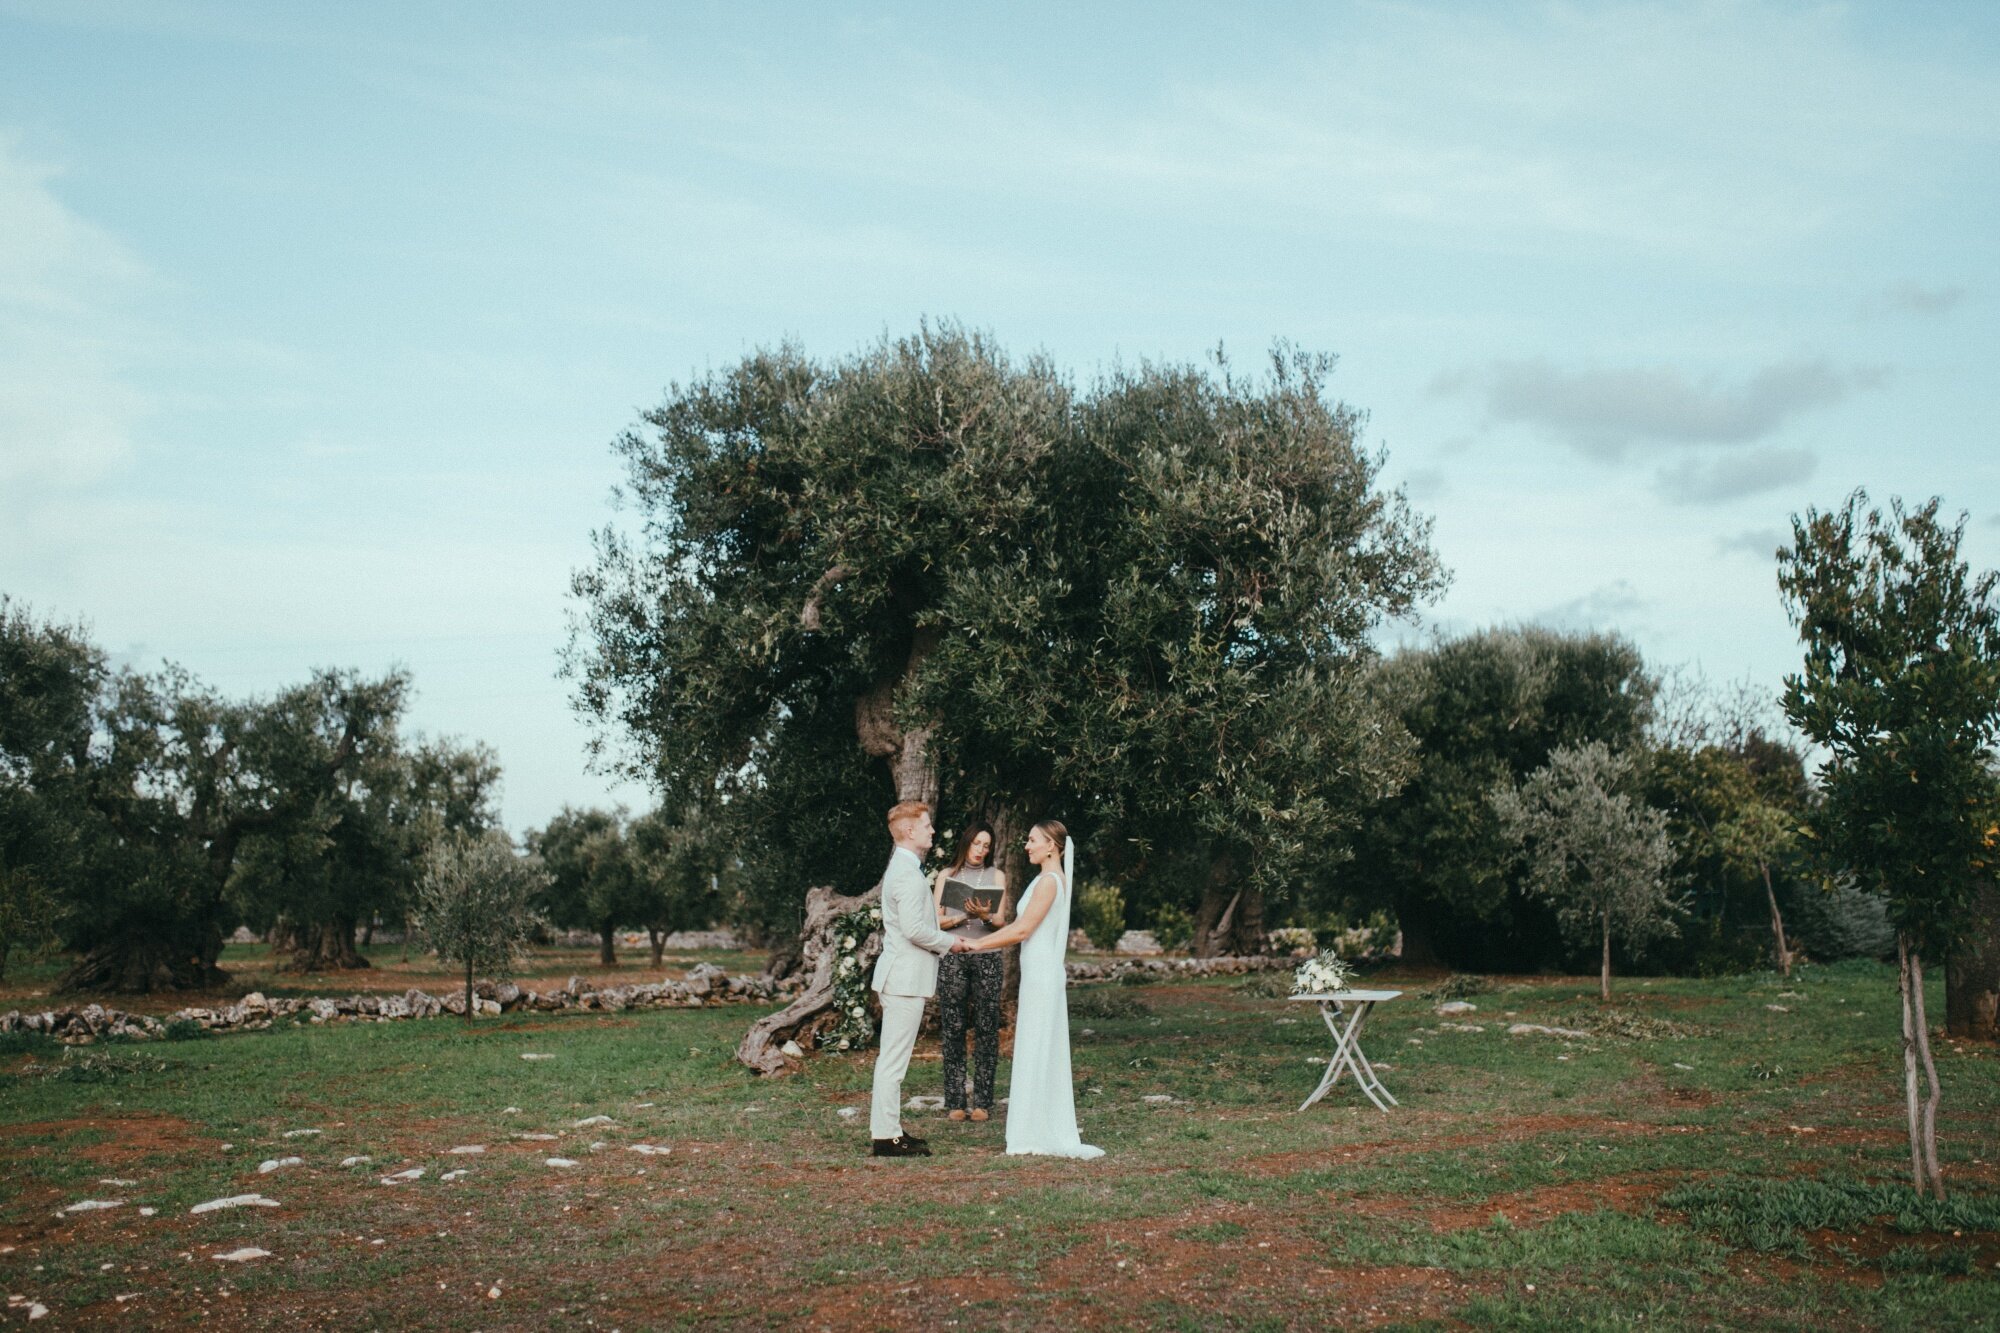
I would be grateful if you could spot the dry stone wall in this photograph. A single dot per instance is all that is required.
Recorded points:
(705, 985)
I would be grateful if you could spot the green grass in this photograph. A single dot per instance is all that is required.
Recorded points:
(1698, 1161)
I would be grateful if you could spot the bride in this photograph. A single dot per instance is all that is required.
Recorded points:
(1041, 1099)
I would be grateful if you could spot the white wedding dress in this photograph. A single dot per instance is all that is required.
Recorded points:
(1041, 1098)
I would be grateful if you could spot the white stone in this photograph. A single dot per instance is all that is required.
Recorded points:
(93, 1206)
(265, 1168)
(1779, 1008)
(356, 1161)
(454, 1175)
(590, 1120)
(302, 1133)
(1523, 1029)
(414, 1173)
(1461, 1027)
(244, 1255)
(468, 1149)
(792, 1049)
(560, 1161)
(536, 1138)
(925, 1102)
(36, 1310)
(848, 1112)
(510, 1110)
(648, 1149)
(147, 1212)
(1457, 1007)
(113, 1180)
(234, 1201)
(535, 1055)
(1157, 1098)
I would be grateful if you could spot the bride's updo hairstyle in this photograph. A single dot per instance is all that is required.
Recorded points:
(1053, 830)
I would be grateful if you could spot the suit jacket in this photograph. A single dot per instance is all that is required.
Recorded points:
(911, 940)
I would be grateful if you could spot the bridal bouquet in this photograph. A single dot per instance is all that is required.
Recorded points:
(1322, 975)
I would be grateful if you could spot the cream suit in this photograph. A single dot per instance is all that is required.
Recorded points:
(905, 976)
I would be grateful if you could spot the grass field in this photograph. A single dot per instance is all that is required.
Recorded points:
(1707, 1160)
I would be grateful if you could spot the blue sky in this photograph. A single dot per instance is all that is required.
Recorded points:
(316, 322)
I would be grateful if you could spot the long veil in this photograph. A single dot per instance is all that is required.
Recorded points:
(1069, 868)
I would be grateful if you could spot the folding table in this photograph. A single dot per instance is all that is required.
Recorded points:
(1345, 1011)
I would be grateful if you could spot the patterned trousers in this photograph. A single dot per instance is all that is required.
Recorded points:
(968, 986)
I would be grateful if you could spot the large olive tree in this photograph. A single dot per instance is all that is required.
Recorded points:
(928, 571)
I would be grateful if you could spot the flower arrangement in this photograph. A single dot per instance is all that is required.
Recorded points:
(1322, 974)
(851, 935)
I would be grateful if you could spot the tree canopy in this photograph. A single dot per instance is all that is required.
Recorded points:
(930, 570)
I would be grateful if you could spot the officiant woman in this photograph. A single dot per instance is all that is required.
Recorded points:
(969, 984)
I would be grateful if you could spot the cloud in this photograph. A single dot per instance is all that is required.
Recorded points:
(1603, 413)
(1732, 476)
(1602, 607)
(66, 413)
(1427, 484)
(1914, 299)
(1763, 543)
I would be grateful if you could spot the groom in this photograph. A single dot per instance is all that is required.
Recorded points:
(905, 974)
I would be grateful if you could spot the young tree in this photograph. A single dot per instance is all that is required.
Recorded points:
(475, 904)
(677, 871)
(1598, 855)
(1901, 687)
(592, 883)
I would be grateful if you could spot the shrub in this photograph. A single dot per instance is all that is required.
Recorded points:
(184, 1029)
(1292, 939)
(1100, 914)
(1842, 921)
(1172, 927)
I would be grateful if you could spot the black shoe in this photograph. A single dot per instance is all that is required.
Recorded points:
(902, 1146)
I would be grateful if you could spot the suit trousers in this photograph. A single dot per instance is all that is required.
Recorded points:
(902, 1015)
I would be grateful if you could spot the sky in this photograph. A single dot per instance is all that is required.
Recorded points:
(317, 323)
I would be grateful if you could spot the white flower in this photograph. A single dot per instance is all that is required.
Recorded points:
(858, 1010)
(846, 965)
(874, 914)
(847, 941)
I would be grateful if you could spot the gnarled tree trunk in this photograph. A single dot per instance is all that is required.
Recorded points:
(812, 1009)
(317, 946)
(914, 771)
(137, 962)
(607, 945)
(1972, 973)
(1230, 919)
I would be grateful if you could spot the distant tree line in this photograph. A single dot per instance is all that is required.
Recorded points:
(145, 816)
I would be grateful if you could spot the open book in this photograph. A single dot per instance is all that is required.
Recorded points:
(958, 895)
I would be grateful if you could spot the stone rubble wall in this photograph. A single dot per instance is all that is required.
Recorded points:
(705, 985)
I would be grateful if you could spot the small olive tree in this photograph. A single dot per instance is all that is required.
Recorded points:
(475, 903)
(1600, 857)
(1901, 687)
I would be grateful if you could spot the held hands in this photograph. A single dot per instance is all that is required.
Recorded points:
(963, 946)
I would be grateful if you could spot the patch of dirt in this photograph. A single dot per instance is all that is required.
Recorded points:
(1618, 1194)
(1124, 1266)
(1513, 1130)
(129, 1137)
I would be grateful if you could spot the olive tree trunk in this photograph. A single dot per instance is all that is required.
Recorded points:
(812, 1010)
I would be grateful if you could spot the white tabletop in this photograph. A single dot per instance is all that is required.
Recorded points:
(1371, 995)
